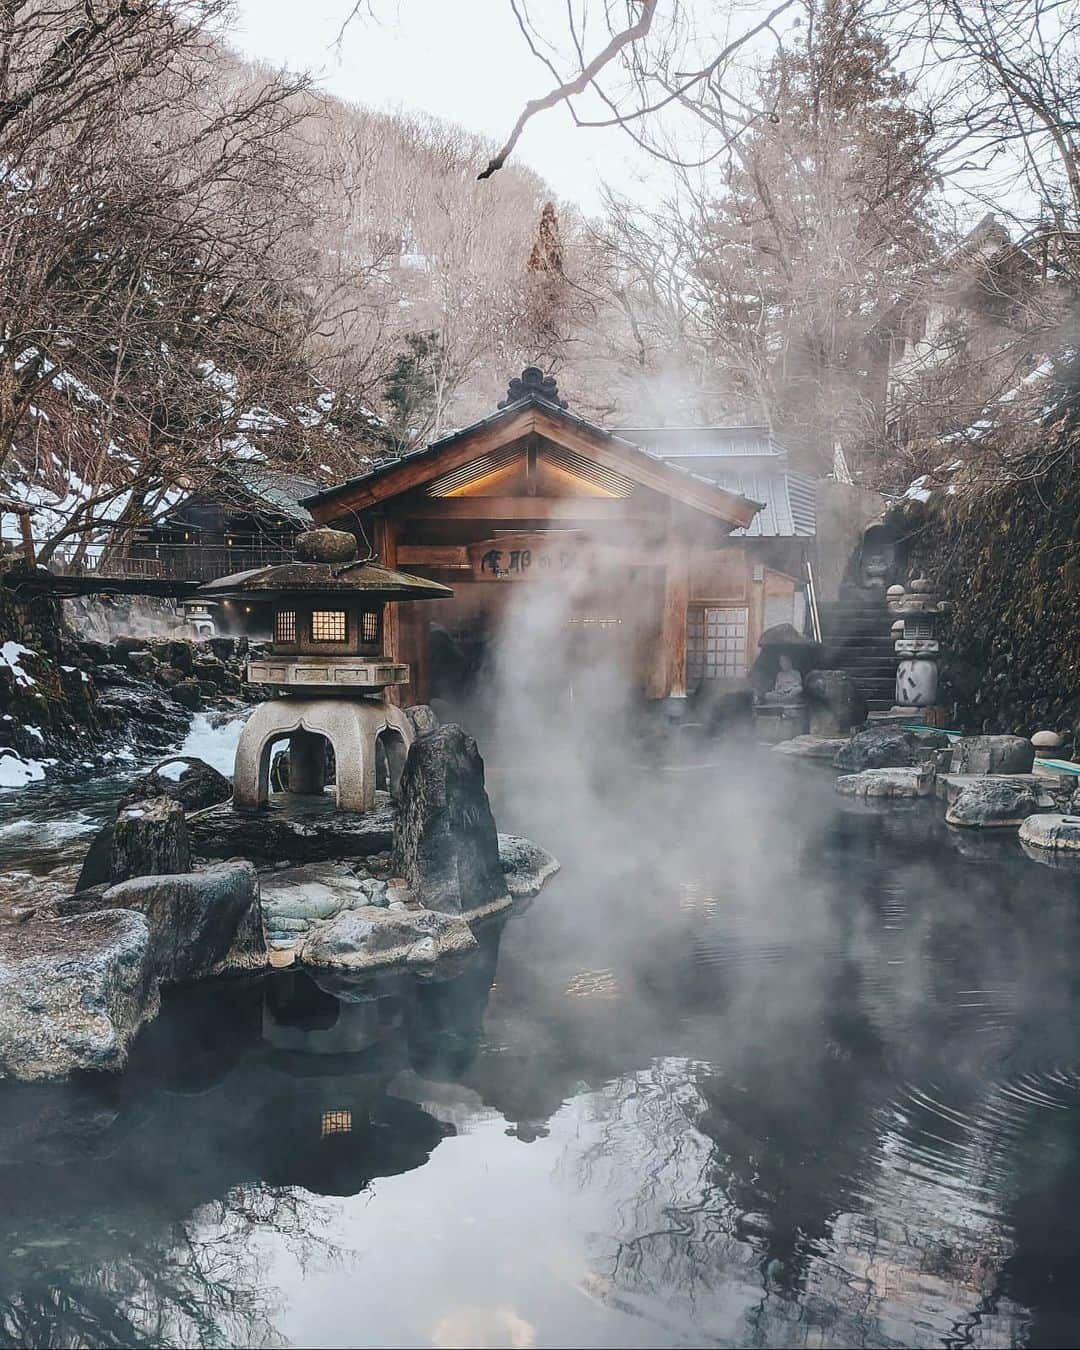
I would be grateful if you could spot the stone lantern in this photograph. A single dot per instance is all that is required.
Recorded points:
(329, 666)
(915, 610)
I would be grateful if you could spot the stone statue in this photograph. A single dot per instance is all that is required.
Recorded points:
(788, 686)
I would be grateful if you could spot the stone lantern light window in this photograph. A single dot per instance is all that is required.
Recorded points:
(371, 627)
(329, 625)
(285, 626)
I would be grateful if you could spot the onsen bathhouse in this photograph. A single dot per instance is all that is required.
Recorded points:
(671, 549)
(330, 663)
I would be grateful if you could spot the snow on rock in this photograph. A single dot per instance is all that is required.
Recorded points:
(16, 772)
(11, 654)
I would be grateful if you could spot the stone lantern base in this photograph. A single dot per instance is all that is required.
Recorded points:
(351, 725)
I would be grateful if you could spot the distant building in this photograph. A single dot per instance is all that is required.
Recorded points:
(667, 550)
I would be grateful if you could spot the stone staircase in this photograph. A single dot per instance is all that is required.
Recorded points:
(856, 637)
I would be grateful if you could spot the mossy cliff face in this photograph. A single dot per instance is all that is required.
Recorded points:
(1008, 559)
(47, 694)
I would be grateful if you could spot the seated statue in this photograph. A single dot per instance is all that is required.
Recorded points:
(788, 685)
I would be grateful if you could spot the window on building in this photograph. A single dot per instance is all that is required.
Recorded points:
(715, 643)
(329, 625)
(285, 625)
(336, 1122)
(371, 625)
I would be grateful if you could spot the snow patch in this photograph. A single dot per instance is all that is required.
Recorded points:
(11, 653)
(16, 772)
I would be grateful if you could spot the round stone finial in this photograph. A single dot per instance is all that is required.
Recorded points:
(921, 586)
(326, 546)
(895, 593)
(898, 627)
(1046, 742)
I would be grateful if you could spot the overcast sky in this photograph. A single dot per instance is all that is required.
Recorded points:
(463, 61)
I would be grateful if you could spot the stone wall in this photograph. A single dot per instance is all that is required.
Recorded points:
(1008, 559)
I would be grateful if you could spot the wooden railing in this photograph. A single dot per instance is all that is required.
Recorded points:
(174, 562)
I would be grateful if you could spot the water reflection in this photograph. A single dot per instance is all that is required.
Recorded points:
(818, 1088)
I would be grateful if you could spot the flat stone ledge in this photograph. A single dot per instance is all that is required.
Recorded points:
(811, 747)
(899, 782)
(950, 785)
(293, 828)
(1057, 833)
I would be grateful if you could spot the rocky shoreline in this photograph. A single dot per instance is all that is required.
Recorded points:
(180, 888)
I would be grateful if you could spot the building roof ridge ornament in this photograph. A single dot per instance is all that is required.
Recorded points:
(533, 383)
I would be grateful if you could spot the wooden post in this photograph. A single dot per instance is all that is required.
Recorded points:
(26, 529)
(386, 547)
(669, 675)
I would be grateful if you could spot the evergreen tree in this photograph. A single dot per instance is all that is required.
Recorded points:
(822, 225)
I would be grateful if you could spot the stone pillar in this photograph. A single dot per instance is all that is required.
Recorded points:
(307, 763)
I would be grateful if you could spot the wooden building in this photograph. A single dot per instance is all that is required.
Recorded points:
(676, 548)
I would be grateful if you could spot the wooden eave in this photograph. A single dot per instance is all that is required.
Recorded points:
(516, 423)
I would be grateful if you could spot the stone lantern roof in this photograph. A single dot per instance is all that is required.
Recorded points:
(327, 565)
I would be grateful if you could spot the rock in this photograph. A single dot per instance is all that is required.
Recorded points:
(188, 694)
(810, 747)
(878, 748)
(187, 780)
(916, 781)
(1049, 793)
(422, 953)
(298, 832)
(445, 842)
(309, 893)
(149, 839)
(224, 648)
(526, 866)
(1053, 832)
(1047, 744)
(201, 923)
(143, 662)
(73, 993)
(97, 865)
(423, 718)
(992, 804)
(360, 939)
(325, 546)
(835, 704)
(992, 754)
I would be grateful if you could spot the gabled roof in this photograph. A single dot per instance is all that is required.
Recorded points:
(542, 415)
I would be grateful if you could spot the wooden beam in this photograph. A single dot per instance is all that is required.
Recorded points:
(386, 547)
(669, 674)
(525, 508)
(433, 555)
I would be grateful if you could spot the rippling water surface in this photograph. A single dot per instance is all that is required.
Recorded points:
(755, 1069)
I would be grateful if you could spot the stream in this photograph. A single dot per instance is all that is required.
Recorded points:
(759, 1067)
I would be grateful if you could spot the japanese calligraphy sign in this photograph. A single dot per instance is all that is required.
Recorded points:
(529, 557)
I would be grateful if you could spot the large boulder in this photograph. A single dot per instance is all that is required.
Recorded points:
(992, 804)
(149, 839)
(187, 780)
(1056, 833)
(445, 842)
(363, 938)
(74, 993)
(877, 748)
(992, 754)
(834, 702)
(201, 923)
(525, 865)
